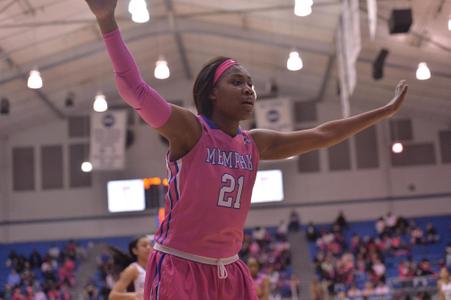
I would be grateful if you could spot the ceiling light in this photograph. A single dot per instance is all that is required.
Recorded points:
(294, 62)
(161, 69)
(423, 72)
(303, 8)
(141, 16)
(397, 147)
(138, 9)
(34, 79)
(100, 104)
(135, 6)
(86, 167)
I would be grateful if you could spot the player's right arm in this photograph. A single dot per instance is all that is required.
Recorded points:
(177, 124)
(119, 291)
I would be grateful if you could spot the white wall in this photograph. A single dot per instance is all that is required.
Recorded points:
(82, 212)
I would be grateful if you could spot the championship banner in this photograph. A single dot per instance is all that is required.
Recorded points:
(275, 114)
(108, 132)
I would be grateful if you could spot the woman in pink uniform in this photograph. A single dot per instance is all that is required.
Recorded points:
(212, 165)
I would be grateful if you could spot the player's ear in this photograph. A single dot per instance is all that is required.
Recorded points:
(212, 95)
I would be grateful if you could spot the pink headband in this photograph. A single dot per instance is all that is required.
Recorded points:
(222, 68)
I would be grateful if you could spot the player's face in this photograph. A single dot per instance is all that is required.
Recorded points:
(234, 95)
(143, 248)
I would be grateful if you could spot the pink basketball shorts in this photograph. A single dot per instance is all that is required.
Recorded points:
(169, 277)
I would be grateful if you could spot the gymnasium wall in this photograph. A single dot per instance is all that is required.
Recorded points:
(317, 195)
(3, 187)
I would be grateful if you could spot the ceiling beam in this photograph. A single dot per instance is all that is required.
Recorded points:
(41, 95)
(178, 39)
(184, 27)
(192, 27)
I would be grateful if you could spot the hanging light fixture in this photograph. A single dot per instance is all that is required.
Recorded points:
(294, 62)
(34, 79)
(86, 166)
(135, 6)
(303, 8)
(397, 147)
(449, 23)
(100, 104)
(138, 10)
(423, 72)
(141, 17)
(161, 69)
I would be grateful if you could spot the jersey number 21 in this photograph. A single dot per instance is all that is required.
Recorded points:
(229, 185)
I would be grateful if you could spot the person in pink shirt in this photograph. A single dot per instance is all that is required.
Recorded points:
(212, 166)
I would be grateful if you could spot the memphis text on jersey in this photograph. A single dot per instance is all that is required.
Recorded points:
(229, 159)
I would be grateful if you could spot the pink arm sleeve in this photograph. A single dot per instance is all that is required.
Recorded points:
(153, 108)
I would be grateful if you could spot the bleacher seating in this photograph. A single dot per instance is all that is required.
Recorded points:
(434, 253)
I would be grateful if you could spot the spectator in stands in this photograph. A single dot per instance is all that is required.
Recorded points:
(406, 269)
(341, 296)
(311, 232)
(71, 250)
(35, 259)
(390, 222)
(54, 252)
(368, 290)
(341, 223)
(416, 235)
(261, 281)
(13, 278)
(65, 272)
(423, 270)
(90, 292)
(295, 223)
(259, 234)
(282, 230)
(12, 259)
(17, 294)
(380, 226)
(432, 235)
(354, 292)
(381, 289)
(402, 226)
(316, 290)
(39, 294)
(378, 269)
(47, 269)
(448, 255)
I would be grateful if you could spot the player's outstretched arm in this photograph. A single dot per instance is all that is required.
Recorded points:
(167, 119)
(280, 145)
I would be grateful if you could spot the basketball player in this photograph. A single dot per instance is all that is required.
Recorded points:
(212, 165)
(135, 272)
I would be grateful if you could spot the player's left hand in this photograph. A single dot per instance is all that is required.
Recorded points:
(400, 94)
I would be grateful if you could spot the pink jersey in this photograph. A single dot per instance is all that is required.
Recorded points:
(209, 194)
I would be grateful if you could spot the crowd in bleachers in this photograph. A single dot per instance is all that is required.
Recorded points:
(267, 254)
(350, 265)
(103, 281)
(41, 276)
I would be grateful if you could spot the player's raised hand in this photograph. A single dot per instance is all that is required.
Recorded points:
(102, 8)
(398, 99)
